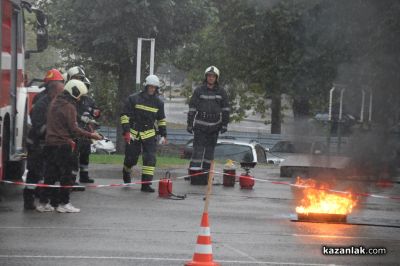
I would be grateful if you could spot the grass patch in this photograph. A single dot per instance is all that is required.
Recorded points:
(162, 161)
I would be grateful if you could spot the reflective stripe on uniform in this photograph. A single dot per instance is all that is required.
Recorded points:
(147, 134)
(142, 135)
(200, 122)
(134, 134)
(146, 108)
(148, 170)
(124, 119)
(84, 167)
(192, 109)
(210, 97)
(227, 109)
(162, 122)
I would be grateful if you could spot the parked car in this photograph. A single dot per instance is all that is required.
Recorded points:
(232, 149)
(282, 149)
(104, 146)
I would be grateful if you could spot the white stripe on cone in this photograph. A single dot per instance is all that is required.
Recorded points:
(203, 249)
(204, 231)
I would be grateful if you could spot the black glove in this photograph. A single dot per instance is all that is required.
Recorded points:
(223, 129)
(189, 129)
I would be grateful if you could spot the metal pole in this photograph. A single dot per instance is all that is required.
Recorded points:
(370, 106)
(330, 103)
(341, 104)
(170, 88)
(138, 62)
(330, 118)
(152, 48)
(340, 121)
(209, 186)
(362, 106)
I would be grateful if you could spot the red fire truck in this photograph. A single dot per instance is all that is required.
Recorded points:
(14, 94)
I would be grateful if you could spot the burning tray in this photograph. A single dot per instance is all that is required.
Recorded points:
(322, 217)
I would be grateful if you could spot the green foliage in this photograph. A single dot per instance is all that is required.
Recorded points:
(162, 161)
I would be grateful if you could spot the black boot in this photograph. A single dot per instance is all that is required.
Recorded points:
(29, 199)
(147, 188)
(126, 176)
(84, 177)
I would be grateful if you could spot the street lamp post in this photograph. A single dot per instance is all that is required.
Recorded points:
(139, 58)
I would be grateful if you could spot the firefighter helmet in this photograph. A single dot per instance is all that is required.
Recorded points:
(87, 82)
(76, 88)
(53, 75)
(212, 70)
(76, 72)
(152, 80)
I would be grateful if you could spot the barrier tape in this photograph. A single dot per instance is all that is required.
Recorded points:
(303, 186)
(185, 176)
(96, 186)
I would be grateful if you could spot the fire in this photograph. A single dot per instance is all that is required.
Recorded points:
(317, 199)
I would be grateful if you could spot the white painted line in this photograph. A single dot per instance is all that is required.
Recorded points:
(153, 259)
(240, 252)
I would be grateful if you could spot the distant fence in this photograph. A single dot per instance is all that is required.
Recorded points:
(181, 137)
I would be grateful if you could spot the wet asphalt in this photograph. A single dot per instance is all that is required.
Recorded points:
(124, 226)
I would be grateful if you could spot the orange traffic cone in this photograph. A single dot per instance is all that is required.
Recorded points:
(203, 250)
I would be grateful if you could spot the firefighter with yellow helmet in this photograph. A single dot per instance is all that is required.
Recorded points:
(142, 118)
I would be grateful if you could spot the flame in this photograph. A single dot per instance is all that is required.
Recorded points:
(317, 199)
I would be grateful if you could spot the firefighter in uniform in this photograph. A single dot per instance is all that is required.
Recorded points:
(207, 117)
(87, 113)
(62, 130)
(140, 113)
(54, 84)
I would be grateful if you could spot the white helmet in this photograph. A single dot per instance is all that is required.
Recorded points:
(87, 82)
(76, 88)
(75, 71)
(152, 80)
(212, 70)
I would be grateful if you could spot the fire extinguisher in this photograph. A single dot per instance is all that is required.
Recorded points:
(165, 188)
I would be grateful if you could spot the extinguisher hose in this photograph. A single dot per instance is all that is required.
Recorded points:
(170, 194)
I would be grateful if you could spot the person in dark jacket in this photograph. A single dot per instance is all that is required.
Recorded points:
(207, 117)
(138, 118)
(62, 129)
(54, 84)
(87, 113)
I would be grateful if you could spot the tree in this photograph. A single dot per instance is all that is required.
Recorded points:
(104, 33)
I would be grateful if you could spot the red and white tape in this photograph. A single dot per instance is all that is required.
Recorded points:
(96, 186)
(185, 176)
(363, 194)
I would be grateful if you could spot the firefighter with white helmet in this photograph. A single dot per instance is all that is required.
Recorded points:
(87, 113)
(140, 113)
(207, 117)
(60, 148)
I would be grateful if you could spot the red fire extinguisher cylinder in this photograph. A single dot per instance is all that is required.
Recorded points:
(246, 181)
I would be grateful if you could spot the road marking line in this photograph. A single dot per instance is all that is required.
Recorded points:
(152, 258)
(240, 252)
(186, 231)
